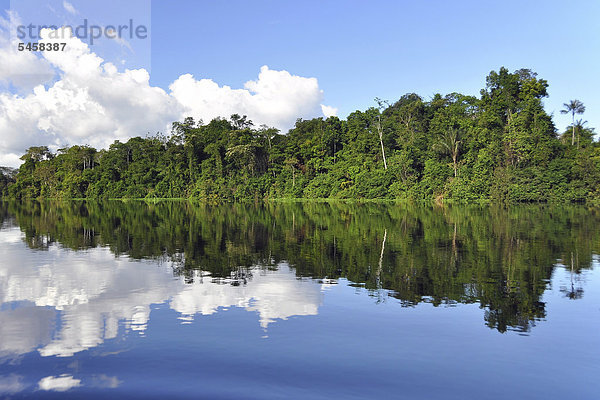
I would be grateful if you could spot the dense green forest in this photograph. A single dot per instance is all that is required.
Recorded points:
(500, 258)
(500, 147)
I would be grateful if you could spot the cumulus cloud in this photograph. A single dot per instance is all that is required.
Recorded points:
(91, 103)
(21, 69)
(76, 97)
(276, 98)
(329, 111)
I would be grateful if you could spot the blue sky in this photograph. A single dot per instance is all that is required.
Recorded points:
(206, 58)
(361, 50)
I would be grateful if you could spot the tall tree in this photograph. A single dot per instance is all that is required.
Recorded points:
(382, 106)
(573, 107)
(449, 143)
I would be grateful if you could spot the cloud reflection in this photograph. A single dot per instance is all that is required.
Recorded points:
(60, 383)
(11, 384)
(91, 294)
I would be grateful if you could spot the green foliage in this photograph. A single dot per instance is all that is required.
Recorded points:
(6, 179)
(501, 147)
(500, 258)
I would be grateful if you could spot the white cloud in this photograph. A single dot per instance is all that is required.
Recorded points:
(329, 111)
(60, 383)
(22, 69)
(91, 102)
(69, 7)
(276, 98)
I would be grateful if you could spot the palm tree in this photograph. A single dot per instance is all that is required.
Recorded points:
(573, 107)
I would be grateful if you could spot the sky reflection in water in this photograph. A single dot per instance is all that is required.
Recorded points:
(83, 322)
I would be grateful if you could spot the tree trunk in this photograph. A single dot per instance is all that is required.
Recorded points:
(381, 141)
(454, 163)
(573, 138)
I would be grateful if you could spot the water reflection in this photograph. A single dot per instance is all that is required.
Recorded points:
(199, 259)
(61, 302)
(273, 294)
(136, 298)
(60, 383)
(11, 384)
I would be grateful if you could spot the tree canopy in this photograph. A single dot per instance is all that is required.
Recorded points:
(499, 147)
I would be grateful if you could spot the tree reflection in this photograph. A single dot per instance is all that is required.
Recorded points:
(499, 258)
(572, 292)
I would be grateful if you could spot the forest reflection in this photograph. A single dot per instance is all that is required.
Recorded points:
(502, 259)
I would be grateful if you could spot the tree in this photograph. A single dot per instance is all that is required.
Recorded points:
(381, 106)
(504, 142)
(267, 133)
(241, 122)
(291, 164)
(407, 114)
(573, 107)
(585, 135)
(449, 143)
(7, 177)
(37, 154)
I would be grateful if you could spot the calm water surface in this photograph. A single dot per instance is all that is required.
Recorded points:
(298, 301)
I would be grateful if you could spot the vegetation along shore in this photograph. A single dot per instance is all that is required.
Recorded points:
(499, 147)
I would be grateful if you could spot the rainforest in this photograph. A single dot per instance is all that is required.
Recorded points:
(499, 147)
